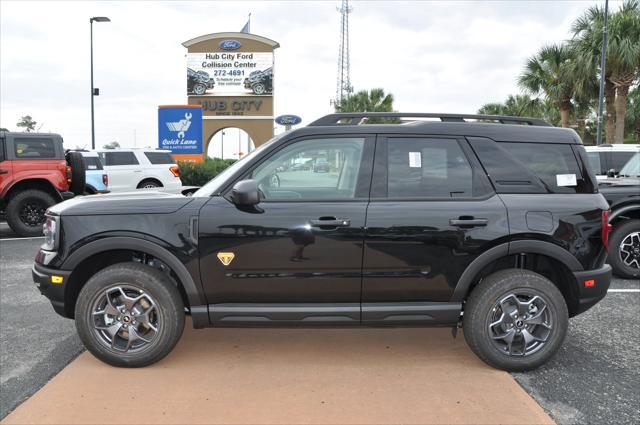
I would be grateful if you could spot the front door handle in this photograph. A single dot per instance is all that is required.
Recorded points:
(470, 222)
(330, 222)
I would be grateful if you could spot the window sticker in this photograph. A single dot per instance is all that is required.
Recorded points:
(566, 180)
(415, 160)
(92, 167)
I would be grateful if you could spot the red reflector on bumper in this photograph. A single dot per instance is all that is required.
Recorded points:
(589, 283)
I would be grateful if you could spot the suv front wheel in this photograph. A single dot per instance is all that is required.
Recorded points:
(624, 249)
(515, 320)
(129, 315)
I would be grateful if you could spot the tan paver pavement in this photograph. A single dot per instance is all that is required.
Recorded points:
(306, 376)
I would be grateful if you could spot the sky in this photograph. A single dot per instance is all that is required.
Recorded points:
(433, 56)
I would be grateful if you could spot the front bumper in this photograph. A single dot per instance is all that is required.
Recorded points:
(43, 277)
(592, 286)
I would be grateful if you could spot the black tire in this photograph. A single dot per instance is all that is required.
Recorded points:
(259, 88)
(484, 305)
(149, 184)
(25, 211)
(78, 173)
(157, 286)
(199, 89)
(628, 232)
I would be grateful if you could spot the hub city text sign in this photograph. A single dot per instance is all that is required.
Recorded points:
(180, 129)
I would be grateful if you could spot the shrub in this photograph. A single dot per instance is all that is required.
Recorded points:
(198, 174)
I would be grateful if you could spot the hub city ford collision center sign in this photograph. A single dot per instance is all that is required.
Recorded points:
(180, 129)
(230, 72)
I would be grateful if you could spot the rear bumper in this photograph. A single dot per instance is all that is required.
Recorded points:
(53, 291)
(588, 295)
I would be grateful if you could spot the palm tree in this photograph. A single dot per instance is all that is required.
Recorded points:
(623, 57)
(374, 100)
(632, 118)
(550, 73)
(522, 105)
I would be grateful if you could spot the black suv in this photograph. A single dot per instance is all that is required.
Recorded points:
(495, 225)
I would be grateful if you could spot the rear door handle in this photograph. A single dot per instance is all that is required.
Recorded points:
(330, 222)
(461, 222)
(4, 171)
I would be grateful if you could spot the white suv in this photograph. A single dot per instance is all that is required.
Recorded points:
(609, 159)
(131, 169)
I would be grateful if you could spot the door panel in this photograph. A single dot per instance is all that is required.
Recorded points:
(279, 257)
(416, 251)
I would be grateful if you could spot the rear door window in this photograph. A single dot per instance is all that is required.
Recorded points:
(597, 163)
(92, 163)
(427, 168)
(34, 148)
(159, 158)
(119, 158)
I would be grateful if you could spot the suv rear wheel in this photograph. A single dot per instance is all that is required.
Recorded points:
(129, 315)
(624, 249)
(25, 211)
(515, 320)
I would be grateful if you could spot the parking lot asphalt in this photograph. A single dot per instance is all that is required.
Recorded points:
(593, 378)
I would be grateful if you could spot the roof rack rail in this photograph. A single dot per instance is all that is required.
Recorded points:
(357, 118)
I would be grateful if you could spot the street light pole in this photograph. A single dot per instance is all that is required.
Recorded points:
(94, 92)
(603, 65)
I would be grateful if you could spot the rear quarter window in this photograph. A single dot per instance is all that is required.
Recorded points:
(159, 158)
(34, 148)
(92, 163)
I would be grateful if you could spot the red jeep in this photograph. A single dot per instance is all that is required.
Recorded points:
(35, 173)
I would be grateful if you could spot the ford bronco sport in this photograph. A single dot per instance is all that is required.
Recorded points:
(35, 173)
(494, 224)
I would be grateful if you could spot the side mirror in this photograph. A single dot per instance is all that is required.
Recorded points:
(245, 193)
(611, 173)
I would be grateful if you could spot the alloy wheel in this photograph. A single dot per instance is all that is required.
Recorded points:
(629, 250)
(32, 213)
(520, 324)
(125, 318)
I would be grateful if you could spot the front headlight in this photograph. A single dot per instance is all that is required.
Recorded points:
(51, 230)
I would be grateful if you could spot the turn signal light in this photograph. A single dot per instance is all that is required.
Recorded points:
(56, 279)
(69, 174)
(589, 283)
(606, 229)
(175, 170)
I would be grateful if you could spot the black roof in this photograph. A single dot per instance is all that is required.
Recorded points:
(498, 128)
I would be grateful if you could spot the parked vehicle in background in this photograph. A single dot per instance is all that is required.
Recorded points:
(131, 169)
(493, 226)
(97, 180)
(623, 194)
(321, 166)
(35, 173)
(608, 160)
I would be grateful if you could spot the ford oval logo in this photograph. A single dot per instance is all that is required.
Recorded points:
(229, 44)
(288, 120)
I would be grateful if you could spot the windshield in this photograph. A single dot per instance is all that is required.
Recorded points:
(632, 167)
(214, 184)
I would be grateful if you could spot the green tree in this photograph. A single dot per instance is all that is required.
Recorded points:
(520, 105)
(3, 129)
(623, 58)
(27, 123)
(374, 100)
(551, 72)
(632, 119)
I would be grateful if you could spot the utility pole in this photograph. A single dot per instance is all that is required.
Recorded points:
(603, 67)
(343, 87)
(94, 91)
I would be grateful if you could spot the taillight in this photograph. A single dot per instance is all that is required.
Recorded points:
(69, 174)
(606, 229)
(105, 180)
(175, 170)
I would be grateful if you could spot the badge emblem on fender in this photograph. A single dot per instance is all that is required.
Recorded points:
(226, 257)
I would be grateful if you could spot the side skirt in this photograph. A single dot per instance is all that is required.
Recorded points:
(334, 314)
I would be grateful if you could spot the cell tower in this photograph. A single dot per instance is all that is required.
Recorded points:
(343, 88)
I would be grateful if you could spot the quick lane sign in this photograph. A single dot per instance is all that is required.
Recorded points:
(180, 129)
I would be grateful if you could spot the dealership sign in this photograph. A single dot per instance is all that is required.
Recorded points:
(288, 120)
(180, 129)
(230, 73)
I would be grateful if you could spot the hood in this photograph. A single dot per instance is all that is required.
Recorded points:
(138, 202)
